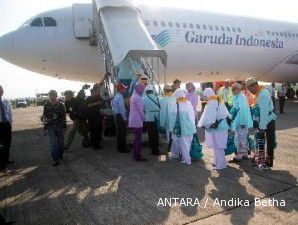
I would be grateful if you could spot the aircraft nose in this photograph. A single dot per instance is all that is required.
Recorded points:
(6, 47)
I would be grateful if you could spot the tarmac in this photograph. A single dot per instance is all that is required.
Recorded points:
(106, 187)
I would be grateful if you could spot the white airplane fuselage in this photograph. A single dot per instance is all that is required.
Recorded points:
(205, 46)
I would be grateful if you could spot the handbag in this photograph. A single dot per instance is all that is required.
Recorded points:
(217, 122)
(177, 126)
(196, 148)
(215, 125)
(231, 147)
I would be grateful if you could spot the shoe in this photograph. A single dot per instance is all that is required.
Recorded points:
(245, 157)
(253, 162)
(10, 223)
(141, 159)
(124, 151)
(185, 163)
(3, 167)
(86, 145)
(9, 162)
(56, 163)
(97, 148)
(269, 163)
(234, 160)
(216, 168)
(156, 153)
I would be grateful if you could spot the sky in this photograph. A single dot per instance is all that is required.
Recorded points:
(18, 82)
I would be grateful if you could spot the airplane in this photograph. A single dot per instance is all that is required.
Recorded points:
(200, 46)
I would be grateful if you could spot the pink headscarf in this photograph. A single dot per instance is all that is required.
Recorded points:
(139, 88)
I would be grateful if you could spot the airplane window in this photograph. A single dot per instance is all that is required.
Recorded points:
(198, 26)
(191, 25)
(272, 32)
(233, 29)
(210, 27)
(147, 22)
(223, 28)
(216, 28)
(49, 22)
(36, 22)
(228, 29)
(281, 34)
(276, 33)
(239, 30)
(184, 25)
(268, 32)
(163, 23)
(285, 34)
(170, 24)
(178, 25)
(293, 35)
(204, 27)
(289, 35)
(155, 23)
(296, 35)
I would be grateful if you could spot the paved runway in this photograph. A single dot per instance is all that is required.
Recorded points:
(105, 187)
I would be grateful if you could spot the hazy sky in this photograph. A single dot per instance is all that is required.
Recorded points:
(18, 82)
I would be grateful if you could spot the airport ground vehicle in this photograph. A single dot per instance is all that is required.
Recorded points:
(42, 98)
(21, 102)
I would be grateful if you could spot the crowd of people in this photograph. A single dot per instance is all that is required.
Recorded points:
(86, 114)
(234, 111)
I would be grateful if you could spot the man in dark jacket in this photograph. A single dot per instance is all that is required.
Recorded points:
(74, 107)
(94, 104)
(55, 126)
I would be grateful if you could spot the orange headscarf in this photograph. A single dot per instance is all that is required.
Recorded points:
(215, 97)
(183, 99)
(169, 94)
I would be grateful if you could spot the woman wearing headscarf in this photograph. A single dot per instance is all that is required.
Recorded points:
(242, 121)
(136, 119)
(192, 97)
(182, 126)
(214, 121)
(166, 104)
(151, 107)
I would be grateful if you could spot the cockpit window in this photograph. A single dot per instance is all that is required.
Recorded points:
(49, 22)
(36, 22)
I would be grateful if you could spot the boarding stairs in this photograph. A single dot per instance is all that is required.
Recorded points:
(121, 34)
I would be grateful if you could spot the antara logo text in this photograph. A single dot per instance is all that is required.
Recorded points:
(193, 37)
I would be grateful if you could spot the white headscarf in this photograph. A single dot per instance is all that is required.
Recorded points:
(213, 110)
(179, 94)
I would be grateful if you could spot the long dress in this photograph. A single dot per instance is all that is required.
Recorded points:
(182, 141)
(216, 138)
